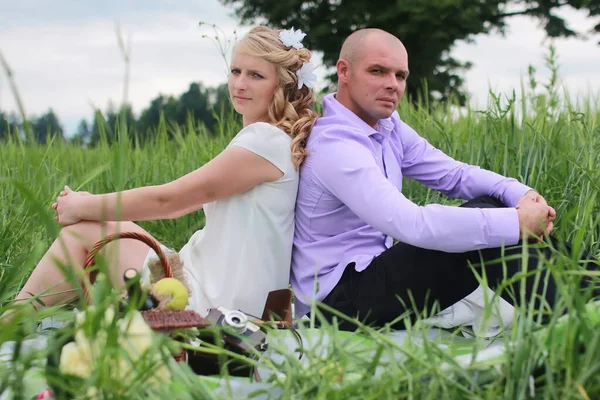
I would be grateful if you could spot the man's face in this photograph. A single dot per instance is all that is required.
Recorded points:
(376, 80)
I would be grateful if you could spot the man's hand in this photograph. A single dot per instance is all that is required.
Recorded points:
(533, 196)
(535, 219)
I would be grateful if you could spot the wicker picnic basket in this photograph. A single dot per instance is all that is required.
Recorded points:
(91, 257)
(158, 320)
(278, 303)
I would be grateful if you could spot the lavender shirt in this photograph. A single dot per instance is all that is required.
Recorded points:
(350, 204)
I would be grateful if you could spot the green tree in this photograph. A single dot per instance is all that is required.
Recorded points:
(428, 29)
(199, 102)
(150, 117)
(196, 102)
(220, 100)
(83, 134)
(46, 126)
(8, 125)
(115, 118)
(108, 123)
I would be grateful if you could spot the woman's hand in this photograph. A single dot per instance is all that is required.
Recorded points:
(64, 193)
(66, 206)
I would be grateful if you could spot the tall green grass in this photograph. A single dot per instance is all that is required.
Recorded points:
(546, 143)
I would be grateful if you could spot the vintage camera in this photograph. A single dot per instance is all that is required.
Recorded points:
(236, 333)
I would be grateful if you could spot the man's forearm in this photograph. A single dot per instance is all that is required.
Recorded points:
(456, 179)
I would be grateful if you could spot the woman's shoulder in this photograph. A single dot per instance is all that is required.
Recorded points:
(264, 129)
(268, 141)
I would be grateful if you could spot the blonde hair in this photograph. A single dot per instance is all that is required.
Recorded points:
(291, 108)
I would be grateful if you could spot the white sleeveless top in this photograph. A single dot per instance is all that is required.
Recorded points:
(245, 249)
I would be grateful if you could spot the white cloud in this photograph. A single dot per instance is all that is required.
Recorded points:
(501, 62)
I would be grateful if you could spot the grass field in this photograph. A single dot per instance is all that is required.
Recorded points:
(551, 146)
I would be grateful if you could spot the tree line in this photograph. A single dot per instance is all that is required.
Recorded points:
(428, 29)
(199, 103)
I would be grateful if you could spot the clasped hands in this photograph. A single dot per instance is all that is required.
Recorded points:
(65, 206)
(536, 217)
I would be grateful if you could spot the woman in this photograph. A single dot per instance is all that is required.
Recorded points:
(248, 192)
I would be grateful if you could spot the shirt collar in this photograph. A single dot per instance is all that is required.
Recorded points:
(332, 105)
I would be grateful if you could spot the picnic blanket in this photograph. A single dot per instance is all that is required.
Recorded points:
(471, 353)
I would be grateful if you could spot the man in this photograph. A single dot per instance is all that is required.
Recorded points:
(350, 205)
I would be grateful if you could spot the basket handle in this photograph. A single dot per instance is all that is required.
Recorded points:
(143, 237)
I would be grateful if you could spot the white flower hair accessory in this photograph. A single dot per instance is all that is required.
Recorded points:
(306, 75)
(292, 38)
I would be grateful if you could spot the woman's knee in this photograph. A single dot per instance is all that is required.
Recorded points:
(89, 232)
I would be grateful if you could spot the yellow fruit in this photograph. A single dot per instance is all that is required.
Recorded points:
(172, 291)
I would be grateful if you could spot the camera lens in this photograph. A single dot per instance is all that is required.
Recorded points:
(237, 320)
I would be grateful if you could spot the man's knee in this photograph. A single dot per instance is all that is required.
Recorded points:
(484, 202)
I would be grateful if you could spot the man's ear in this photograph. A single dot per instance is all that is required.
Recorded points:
(343, 67)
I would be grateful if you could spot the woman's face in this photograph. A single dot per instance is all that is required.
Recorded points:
(252, 82)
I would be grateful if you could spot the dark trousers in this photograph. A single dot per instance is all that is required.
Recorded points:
(406, 280)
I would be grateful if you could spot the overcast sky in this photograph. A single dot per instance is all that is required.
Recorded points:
(64, 53)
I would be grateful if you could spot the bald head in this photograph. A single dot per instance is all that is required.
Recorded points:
(372, 73)
(359, 41)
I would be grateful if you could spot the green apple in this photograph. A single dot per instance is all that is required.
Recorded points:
(171, 292)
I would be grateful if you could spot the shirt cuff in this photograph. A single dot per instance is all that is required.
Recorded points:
(503, 226)
(514, 192)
